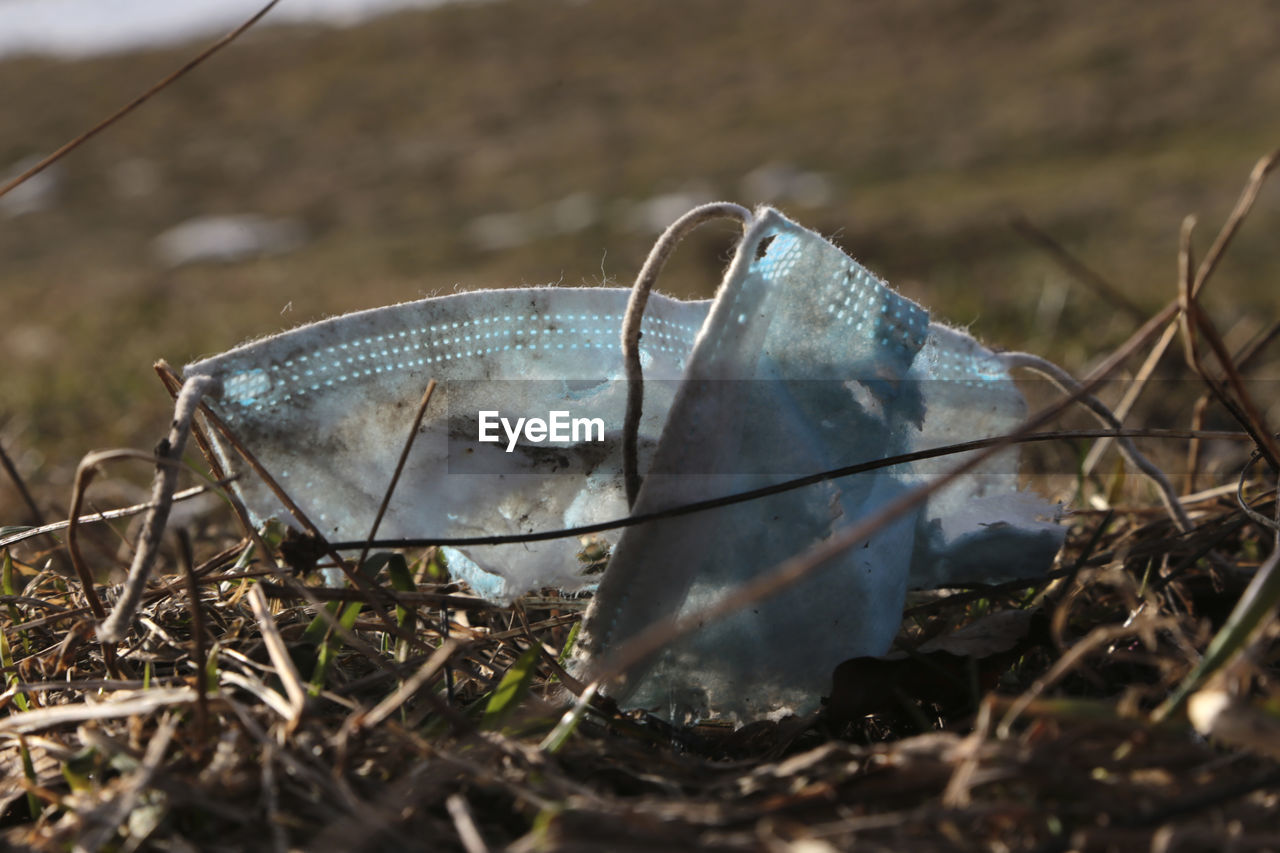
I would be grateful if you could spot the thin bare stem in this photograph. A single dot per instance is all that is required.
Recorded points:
(649, 273)
(37, 517)
(1068, 384)
(198, 651)
(163, 83)
(368, 591)
(1132, 392)
(1186, 287)
(1075, 267)
(1194, 322)
(400, 463)
(163, 487)
(412, 685)
(1245, 410)
(1193, 446)
(1101, 636)
(1256, 347)
(85, 473)
(173, 384)
(1244, 204)
(101, 515)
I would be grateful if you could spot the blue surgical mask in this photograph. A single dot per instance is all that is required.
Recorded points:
(804, 362)
(808, 362)
(327, 408)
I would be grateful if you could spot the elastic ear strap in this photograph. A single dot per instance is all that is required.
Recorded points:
(1067, 383)
(113, 629)
(653, 265)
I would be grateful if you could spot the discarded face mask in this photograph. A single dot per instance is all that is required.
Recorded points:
(808, 362)
(327, 408)
(804, 362)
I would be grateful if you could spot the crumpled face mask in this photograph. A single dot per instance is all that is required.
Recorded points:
(808, 362)
(327, 408)
(804, 362)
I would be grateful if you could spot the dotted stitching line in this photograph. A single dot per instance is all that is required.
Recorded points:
(307, 372)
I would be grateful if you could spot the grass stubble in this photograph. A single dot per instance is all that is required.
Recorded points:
(1129, 699)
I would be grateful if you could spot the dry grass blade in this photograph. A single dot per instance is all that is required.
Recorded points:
(105, 824)
(109, 709)
(1244, 205)
(468, 834)
(425, 674)
(280, 659)
(102, 515)
(1132, 393)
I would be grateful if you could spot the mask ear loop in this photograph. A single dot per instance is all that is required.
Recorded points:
(653, 265)
(169, 453)
(1067, 383)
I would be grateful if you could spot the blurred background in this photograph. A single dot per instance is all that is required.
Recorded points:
(353, 154)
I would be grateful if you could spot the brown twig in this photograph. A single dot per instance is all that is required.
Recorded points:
(1243, 359)
(400, 463)
(112, 630)
(173, 384)
(358, 581)
(1239, 213)
(1193, 446)
(102, 515)
(1066, 382)
(163, 83)
(198, 652)
(1194, 320)
(1075, 267)
(37, 517)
